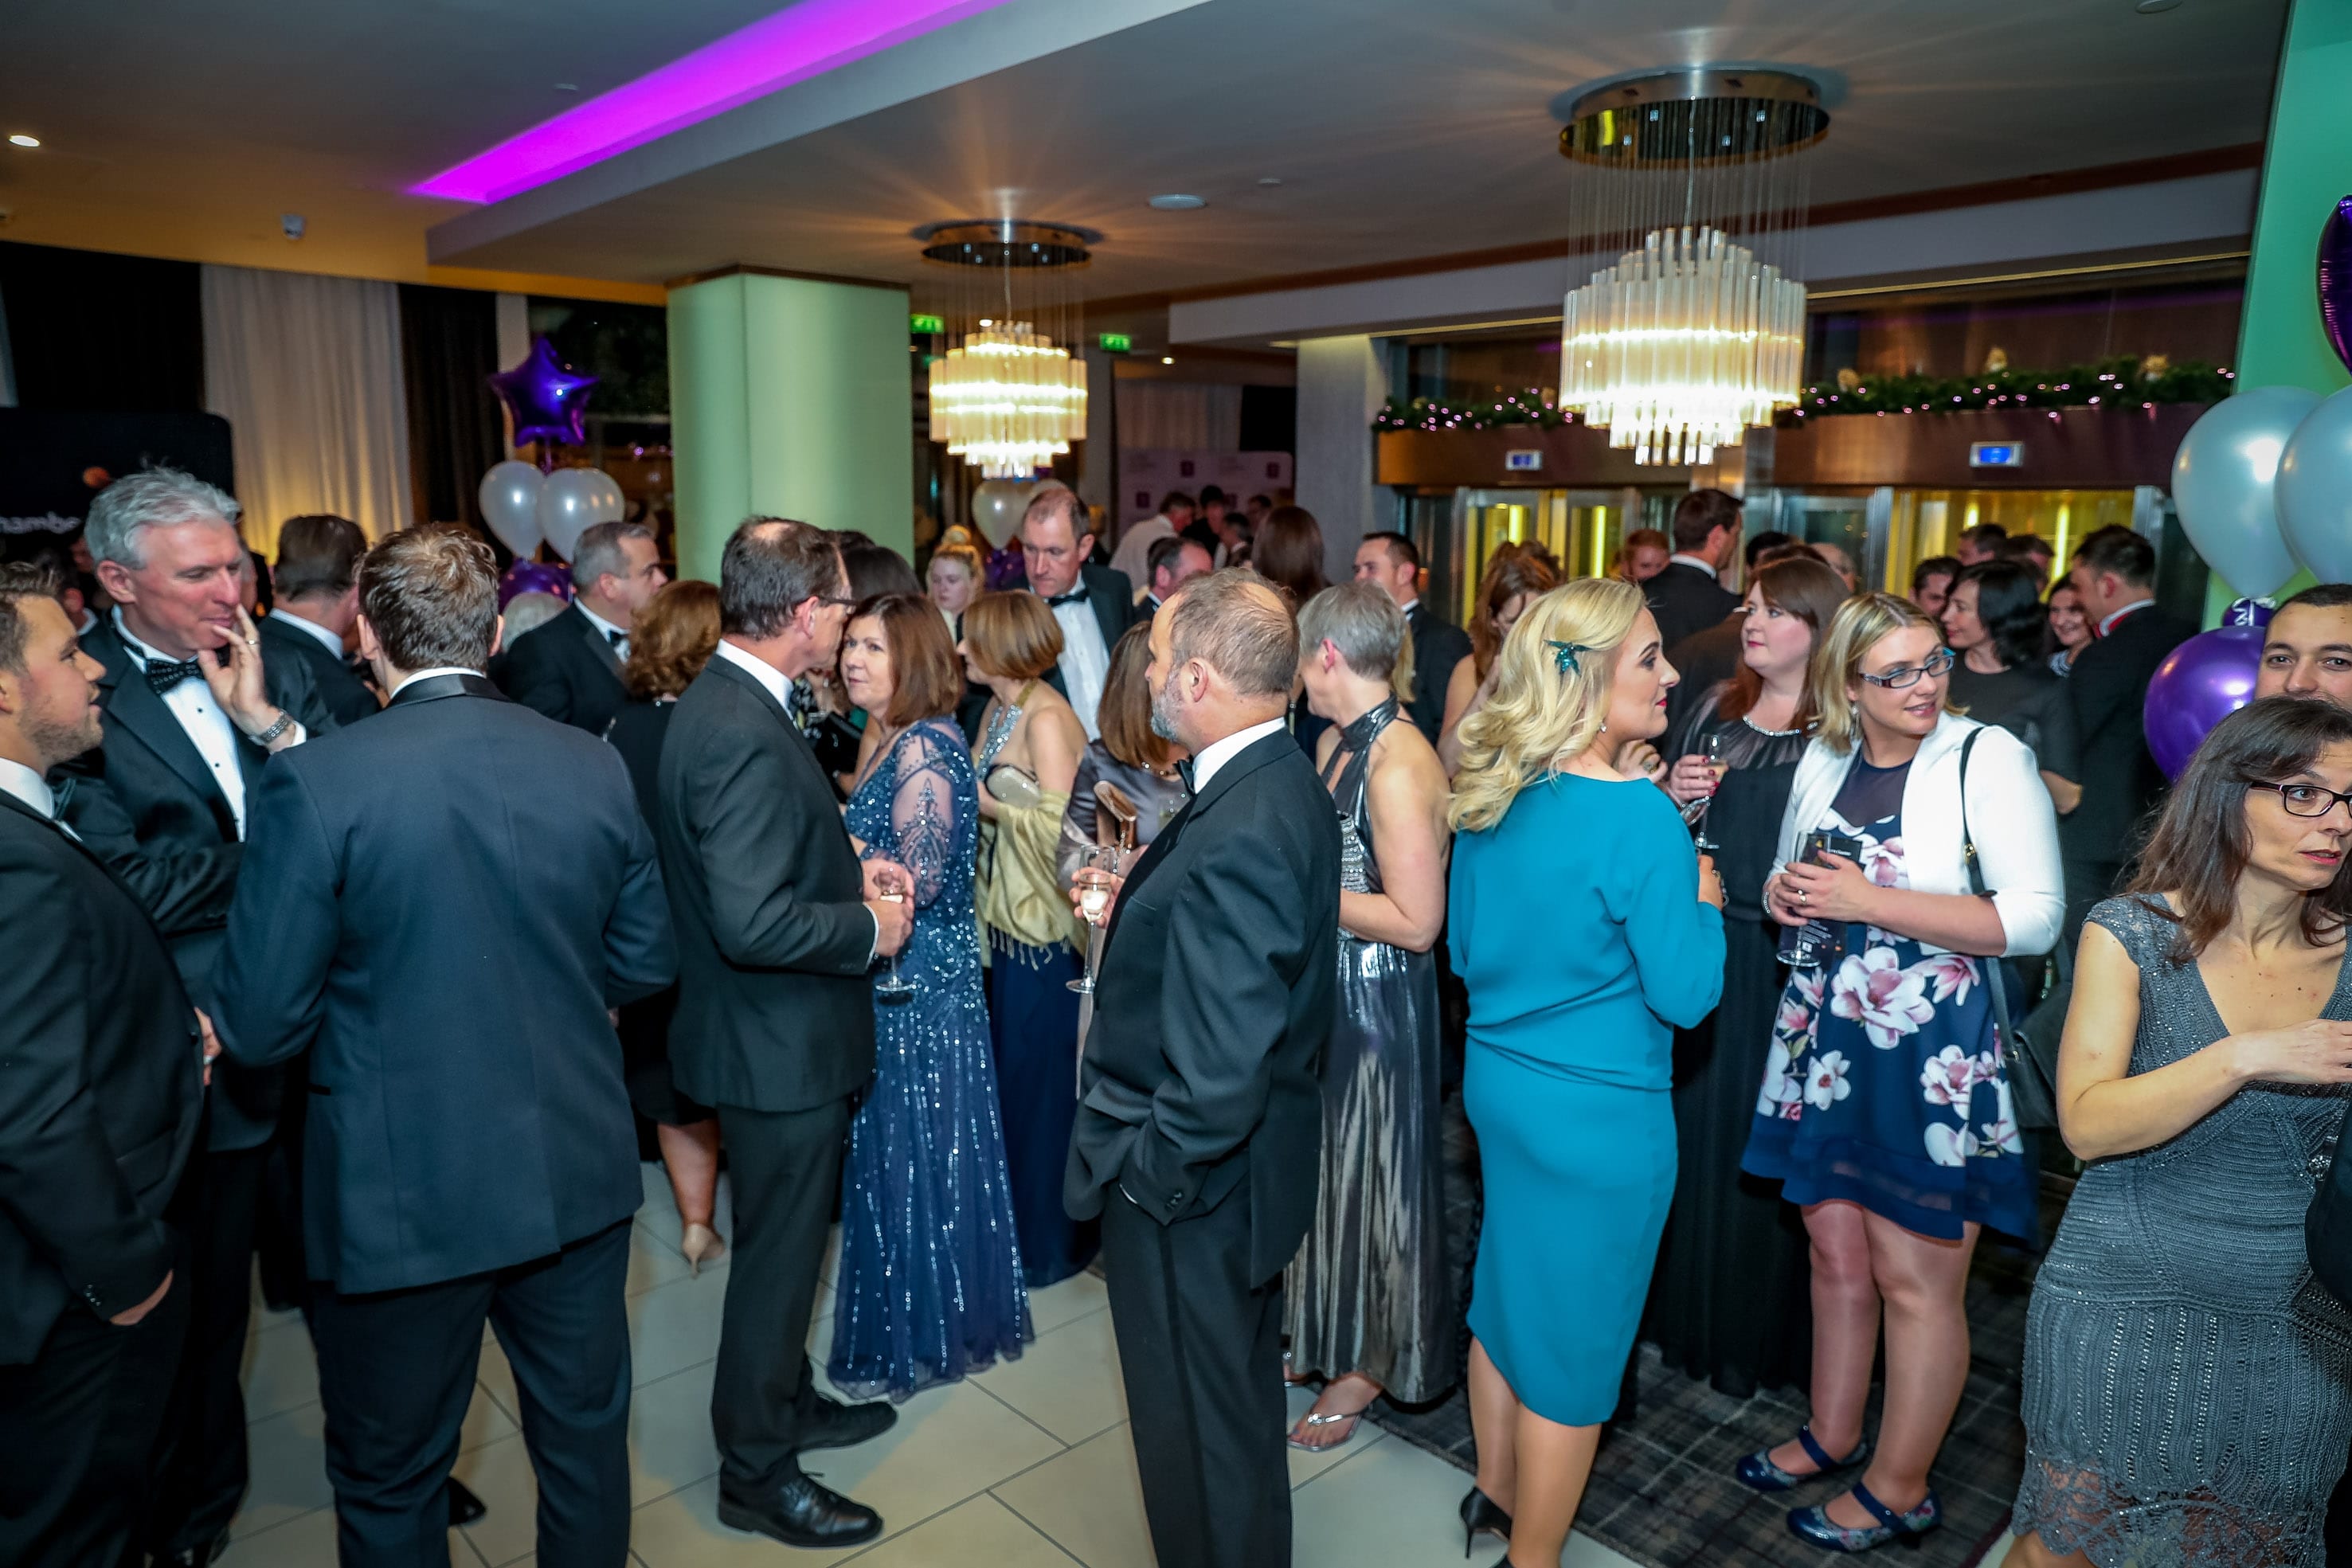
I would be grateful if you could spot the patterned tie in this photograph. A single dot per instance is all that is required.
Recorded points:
(163, 674)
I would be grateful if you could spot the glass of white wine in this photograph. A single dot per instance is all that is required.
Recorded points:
(891, 989)
(1095, 882)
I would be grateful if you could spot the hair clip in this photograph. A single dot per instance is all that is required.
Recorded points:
(1564, 654)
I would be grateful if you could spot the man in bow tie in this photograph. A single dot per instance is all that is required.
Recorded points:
(570, 668)
(1093, 604)
(191, 715)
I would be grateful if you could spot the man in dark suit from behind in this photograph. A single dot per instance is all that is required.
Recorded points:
(317, 602)
(439, 906)
(1198, 1128)
(1094, 605)
(1394, 561)
(2114, 571)
(98, 1109)
(570, 669)
(1171, 564)
(1689, 595)
(778, 926)
(194, 715)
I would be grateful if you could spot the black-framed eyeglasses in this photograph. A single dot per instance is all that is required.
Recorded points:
(2305, 799)
(1938, 663)
(835, 601)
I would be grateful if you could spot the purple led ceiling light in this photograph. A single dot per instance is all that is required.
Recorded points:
(797, 42)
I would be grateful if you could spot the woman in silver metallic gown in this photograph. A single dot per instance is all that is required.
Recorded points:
(2188, 1382)
(1369, 1301)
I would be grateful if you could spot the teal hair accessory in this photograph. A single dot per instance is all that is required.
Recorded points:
(1564, 653)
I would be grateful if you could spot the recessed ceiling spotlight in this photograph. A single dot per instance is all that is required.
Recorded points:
(1167, 359)
(2151, 7)
(1177, 203)
(567, 87)
(1268, 180)
(21, 140)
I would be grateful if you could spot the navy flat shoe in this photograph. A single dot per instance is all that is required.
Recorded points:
(1759, 1473)
(1907, 1529)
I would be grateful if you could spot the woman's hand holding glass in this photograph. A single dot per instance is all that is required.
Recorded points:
(1834, 889)
(1692, 778)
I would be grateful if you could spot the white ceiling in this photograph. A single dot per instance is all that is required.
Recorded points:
(1398, 128)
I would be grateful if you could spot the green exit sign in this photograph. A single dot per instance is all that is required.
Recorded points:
(1115, 343)
(921, 324)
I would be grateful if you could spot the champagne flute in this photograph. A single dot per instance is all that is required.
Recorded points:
(891, 989)
(1713, 746)
(1095, 883)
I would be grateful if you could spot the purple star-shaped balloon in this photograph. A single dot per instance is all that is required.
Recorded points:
(2335, 280)
(546, 401)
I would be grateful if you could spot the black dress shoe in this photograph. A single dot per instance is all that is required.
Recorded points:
(800, 1510)
(463, 1506)
(830, 1423)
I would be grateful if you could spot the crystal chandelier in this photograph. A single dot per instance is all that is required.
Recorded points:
(1008, 400)
(1689, 338)
(1008, 397)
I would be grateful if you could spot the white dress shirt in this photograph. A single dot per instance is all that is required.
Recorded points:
(1217, 753)
(326, 639)
(1085, 663)
(2108, 624)
(30, 787)
(618, 636)
(208, 728)
(415, 675)
(779, 686)
(1699, 562)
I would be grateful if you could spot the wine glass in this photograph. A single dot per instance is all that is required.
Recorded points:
(1095, 882)
(1712, 746)
(891, 989)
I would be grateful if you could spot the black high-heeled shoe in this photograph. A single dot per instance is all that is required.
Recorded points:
(1479, 1512)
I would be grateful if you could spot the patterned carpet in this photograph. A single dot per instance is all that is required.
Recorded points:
(1662, 1492)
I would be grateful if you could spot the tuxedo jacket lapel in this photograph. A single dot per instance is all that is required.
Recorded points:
(606, 654)
(132, 705)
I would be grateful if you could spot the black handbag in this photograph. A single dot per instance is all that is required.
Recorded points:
(2327, 1224)
(2033, 1072)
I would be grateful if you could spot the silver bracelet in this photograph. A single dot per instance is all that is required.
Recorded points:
(284, 722)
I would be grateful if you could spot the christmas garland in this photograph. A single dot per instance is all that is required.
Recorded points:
(2110, 383)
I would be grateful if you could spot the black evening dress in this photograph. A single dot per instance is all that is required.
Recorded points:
(637, 733)
(1370, 1289)
(1730, 1300)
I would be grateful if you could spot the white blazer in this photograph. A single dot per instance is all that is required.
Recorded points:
(2009, 816)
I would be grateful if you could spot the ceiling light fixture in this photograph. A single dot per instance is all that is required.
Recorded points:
(1690, 337)
(1006, 397)
(797, 42)
(2151, 7)
(1167, 359)
(21, 140)
(1175, 203)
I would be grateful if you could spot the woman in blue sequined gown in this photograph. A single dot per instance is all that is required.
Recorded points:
(929, 1285)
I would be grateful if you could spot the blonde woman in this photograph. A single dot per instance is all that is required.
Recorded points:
(1555, 844)
(1885, 1112)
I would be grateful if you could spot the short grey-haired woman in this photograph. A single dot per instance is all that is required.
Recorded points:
(1370, 1298)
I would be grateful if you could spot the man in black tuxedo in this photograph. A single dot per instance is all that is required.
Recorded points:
(439, 906)
(1689, 595)
(193, 715)
(1171, 564)
(1094, 605)
(570, 669)
(99, 1111)
(316, 582)
(778, 927)
(2113, 570)
(1394, 561)
(1200, 1114)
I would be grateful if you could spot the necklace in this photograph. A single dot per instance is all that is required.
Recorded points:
(1001, 727)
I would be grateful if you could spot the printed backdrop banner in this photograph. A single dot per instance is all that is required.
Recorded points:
(1148, 472)
(52, 461)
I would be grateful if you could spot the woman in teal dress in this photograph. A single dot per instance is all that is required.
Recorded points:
(1586, 928)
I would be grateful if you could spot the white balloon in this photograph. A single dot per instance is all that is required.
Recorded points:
(997, 506)
(509, 497)
(2314, 489)
(611, 505)
(2222, 483)
(570, 500)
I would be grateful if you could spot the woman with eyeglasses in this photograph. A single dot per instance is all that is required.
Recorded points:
(2188, 1386)
(1885, 1112)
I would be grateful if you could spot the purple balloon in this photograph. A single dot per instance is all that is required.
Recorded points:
(548, 403)
(534, 577)
(2200, 684)
(2335, 279)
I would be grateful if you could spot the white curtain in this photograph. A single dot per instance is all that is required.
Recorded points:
(1192, 415)
(305, 370)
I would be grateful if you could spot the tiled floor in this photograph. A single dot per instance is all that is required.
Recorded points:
(1025, 1466)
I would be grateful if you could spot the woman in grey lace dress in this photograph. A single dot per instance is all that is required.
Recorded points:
(1368, 1301)
(2188, 1384)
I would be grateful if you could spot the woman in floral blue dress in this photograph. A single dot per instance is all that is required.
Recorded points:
(929, 1285)
(1885, 1110)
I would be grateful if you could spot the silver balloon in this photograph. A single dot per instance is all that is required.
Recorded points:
(509, 497)
(573, 498)
(2314, 489)
(2222, 482)
(997, 506)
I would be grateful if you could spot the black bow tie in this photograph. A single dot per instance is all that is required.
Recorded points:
(163, 674)
(1076, 596)
(1184, 771)
(616, 638)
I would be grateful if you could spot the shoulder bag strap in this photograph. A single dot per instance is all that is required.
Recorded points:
(1995, 981)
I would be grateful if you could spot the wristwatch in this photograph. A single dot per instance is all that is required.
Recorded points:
(284, 722)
